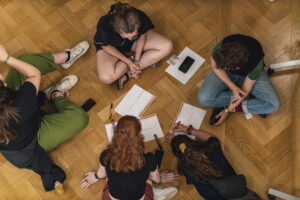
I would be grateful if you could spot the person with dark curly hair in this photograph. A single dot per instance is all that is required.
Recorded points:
(128, 170)
(126, 29)
(204, 165)
(238, 81)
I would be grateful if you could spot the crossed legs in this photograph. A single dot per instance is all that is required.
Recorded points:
(111, 68)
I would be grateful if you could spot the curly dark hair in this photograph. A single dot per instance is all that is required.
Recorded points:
(231, 55)
(194, 160)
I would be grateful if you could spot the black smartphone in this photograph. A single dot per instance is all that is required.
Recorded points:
(186, 64)
(88, 104)
(1, 83)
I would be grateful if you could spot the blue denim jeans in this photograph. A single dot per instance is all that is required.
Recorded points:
(215, 93)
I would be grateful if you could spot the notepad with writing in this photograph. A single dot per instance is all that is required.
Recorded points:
(150, 126)
(135, 102)
(189, 115)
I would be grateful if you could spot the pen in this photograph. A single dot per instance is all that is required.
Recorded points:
(110, 111)
(177, 124)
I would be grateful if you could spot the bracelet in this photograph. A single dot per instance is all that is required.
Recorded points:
(136, 61)
(230, 109)
(189, 130)
(160, 177)
(5, 61)
(96, 176)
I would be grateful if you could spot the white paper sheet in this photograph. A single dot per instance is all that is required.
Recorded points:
(150, 126)
(135, 102)
(184, 77)
(189, 115)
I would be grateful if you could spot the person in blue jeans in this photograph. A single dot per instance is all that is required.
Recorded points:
(238, 81)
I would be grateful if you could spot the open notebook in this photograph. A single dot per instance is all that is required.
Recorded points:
(189, 115)
(150, 126)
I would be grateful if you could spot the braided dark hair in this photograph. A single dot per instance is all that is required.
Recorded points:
(193, 158)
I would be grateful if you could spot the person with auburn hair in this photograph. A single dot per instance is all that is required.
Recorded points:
(122, 30)
(129, 170)
(27, 132)
(238, 59)
(204, 165)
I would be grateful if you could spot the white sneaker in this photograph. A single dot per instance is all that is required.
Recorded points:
(164, 193)
(75, 53)
(63, 86)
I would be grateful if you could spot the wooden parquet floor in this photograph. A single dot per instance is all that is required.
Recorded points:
(265, 150)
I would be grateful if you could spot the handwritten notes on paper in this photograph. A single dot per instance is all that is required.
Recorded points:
(150, 126)
(135, 102)
(189, 115)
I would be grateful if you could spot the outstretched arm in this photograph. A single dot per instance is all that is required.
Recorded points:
(201, 135)
(31, 73)
(93, 177)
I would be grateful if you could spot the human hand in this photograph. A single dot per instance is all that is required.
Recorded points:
(168, 177)
(178, 127)
(134, 67)
(88, 180)
(3, 53)
(238, 93)
(234, 103)
(169, 137)
(223, 117)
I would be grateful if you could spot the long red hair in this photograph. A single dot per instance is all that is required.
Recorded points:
(126, 151)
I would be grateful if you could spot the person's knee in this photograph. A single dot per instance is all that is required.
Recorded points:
(167, 46)
(105, 78)
(82, 118)
(204, 100)
(275, 105)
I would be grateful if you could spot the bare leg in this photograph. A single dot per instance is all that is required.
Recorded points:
(156, 48)
(60, 58)
(109, 68)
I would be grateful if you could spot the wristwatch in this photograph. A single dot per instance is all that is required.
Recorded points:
(227, 111)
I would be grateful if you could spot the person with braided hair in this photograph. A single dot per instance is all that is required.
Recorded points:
(202, 162)
(128, 170)
(122, 30)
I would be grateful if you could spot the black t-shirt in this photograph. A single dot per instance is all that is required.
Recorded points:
(218, 158)
(29, 119)
(106, 35)
(131, 185)
(254, 48)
